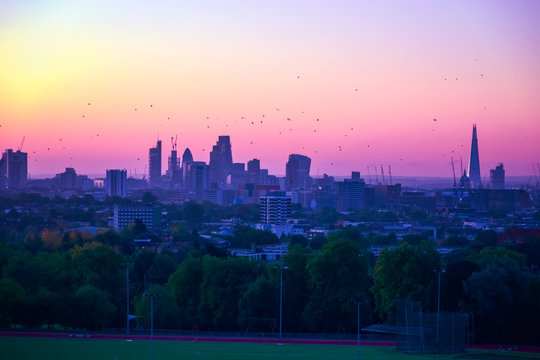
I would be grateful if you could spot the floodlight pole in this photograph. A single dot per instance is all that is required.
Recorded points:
(358, 326)
(438, 308)
(127, 296)
(281, 300)
(152, 295)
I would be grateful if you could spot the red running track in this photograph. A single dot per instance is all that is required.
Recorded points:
(528, 349)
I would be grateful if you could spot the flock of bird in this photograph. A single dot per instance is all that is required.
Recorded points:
(288, 124)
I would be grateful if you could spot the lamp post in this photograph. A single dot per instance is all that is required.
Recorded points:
(152, 295)
(358, 327)
(281, 300)
(438, 306)
(127, 264)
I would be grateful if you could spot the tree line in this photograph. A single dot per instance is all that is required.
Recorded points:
(79, 282)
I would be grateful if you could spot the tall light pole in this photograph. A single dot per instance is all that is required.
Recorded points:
(152, 295)
(127, 296)
(281, 300)
(438, 307)
(358, 326)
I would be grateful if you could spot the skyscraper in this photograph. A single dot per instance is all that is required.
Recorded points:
(116, 183)
(13, 169)
(174, 173)
(254, 171)
(474, 162)
(297, 172)
(154, 164)
(496, 177)
(220, 160)
(187, 159)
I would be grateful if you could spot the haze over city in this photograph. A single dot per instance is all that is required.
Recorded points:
(91, 85)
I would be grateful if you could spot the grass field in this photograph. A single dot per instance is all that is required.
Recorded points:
(18, 348)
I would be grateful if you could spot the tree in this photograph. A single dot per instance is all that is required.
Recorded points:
(402, 273)
(166, 311)
(338, 278)
(11, 301)
(260, 301)
(296, 289)
(224, 282)
(502, 297)
(91, 309)
(193, 212)
(184, 284)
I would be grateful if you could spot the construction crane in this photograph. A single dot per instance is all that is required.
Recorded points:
(376, 177)
(454, 171)
(382, 174)
(144, 173)
(461, 164)
(390, 173)
(369, 174)
(22, 143)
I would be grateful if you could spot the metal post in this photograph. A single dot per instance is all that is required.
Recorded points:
(438, 311)
(127, 300)
(127, 297)
(280, 301)
(358, 327)
(152, 327)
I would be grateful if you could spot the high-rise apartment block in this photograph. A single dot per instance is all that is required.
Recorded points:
(116, 183)
(275, 208)
(13, 169)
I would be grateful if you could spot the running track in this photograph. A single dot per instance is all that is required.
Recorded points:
(241, 340)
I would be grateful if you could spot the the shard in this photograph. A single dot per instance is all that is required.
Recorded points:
(474, 162)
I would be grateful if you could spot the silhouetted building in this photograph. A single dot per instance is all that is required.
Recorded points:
(474, 162)
(116, 183)
(464, 181)
(174, 172)
(187, 159)
(496, 177)
(13, 169)
(197, 177)
(154, 165)
(351, 193)
(388, 196)
(68, 179)
(254, 171)
(297, 172)
(237, 174)
(275, 208)
(220, 160)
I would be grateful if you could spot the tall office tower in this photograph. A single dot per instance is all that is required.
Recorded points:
(174, 172)
(197, 176)
(13, 169)
(474, 162)
(254, 171)
(154, 166)
(187, 159)
(496, 177)
(297, 172)
(275, 208)
(116, 183)
(220, 160)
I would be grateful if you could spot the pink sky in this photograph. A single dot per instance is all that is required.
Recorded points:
(373, 73)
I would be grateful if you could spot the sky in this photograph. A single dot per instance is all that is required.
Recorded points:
(351, 84)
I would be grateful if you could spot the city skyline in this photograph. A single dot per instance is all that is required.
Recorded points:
(91, 86)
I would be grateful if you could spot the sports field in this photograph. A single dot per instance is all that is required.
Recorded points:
(30, 348)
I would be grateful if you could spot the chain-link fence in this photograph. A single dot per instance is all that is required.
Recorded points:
(424, 332)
